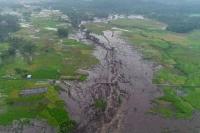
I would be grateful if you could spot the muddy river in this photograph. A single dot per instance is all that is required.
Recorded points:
(124, 80)
(122, 74)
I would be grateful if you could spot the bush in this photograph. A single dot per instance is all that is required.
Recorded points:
(22, 72)
(100, 104)
(63, 32)
(67, 126)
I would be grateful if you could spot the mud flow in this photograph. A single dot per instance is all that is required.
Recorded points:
(123, 80)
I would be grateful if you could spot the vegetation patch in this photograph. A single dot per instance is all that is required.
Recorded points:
(46, 106)
(100, 104)
(97, 28)
(34, 50)
(43, 54)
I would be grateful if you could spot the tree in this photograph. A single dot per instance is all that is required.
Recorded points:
(8, 24)
(63, 32)
(28, 48)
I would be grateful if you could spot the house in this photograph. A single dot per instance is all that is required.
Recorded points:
(29, 76)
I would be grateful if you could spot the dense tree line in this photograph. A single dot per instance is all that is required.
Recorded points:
(8, 24)
(175, 13)
(23, 46)
(20, 45)
(182, 24)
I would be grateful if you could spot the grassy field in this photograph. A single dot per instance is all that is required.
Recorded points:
(52, 58)
(125, 24)
(17, 107)
(179, 55)
(97, 28)
(47, 106)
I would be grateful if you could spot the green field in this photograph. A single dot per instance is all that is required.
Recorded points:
(17, 107)
(50, 59)
(179, 55)
(97, 28)
(125, 24)
(53, 56)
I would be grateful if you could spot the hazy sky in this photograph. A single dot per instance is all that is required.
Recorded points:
(160, 1)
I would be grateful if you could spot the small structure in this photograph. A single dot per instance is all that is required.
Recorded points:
(29, 76)
(34, 91)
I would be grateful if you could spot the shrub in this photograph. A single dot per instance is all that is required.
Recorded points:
(63, 32)
(100, 104)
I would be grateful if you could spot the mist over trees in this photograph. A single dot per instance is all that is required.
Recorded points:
(180, 15)
(175, 13)
(8, 23)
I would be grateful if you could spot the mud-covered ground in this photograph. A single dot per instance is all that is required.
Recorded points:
(121, 74)
(124, 80)
(24, 126)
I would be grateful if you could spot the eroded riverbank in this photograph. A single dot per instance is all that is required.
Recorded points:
(122, 74)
